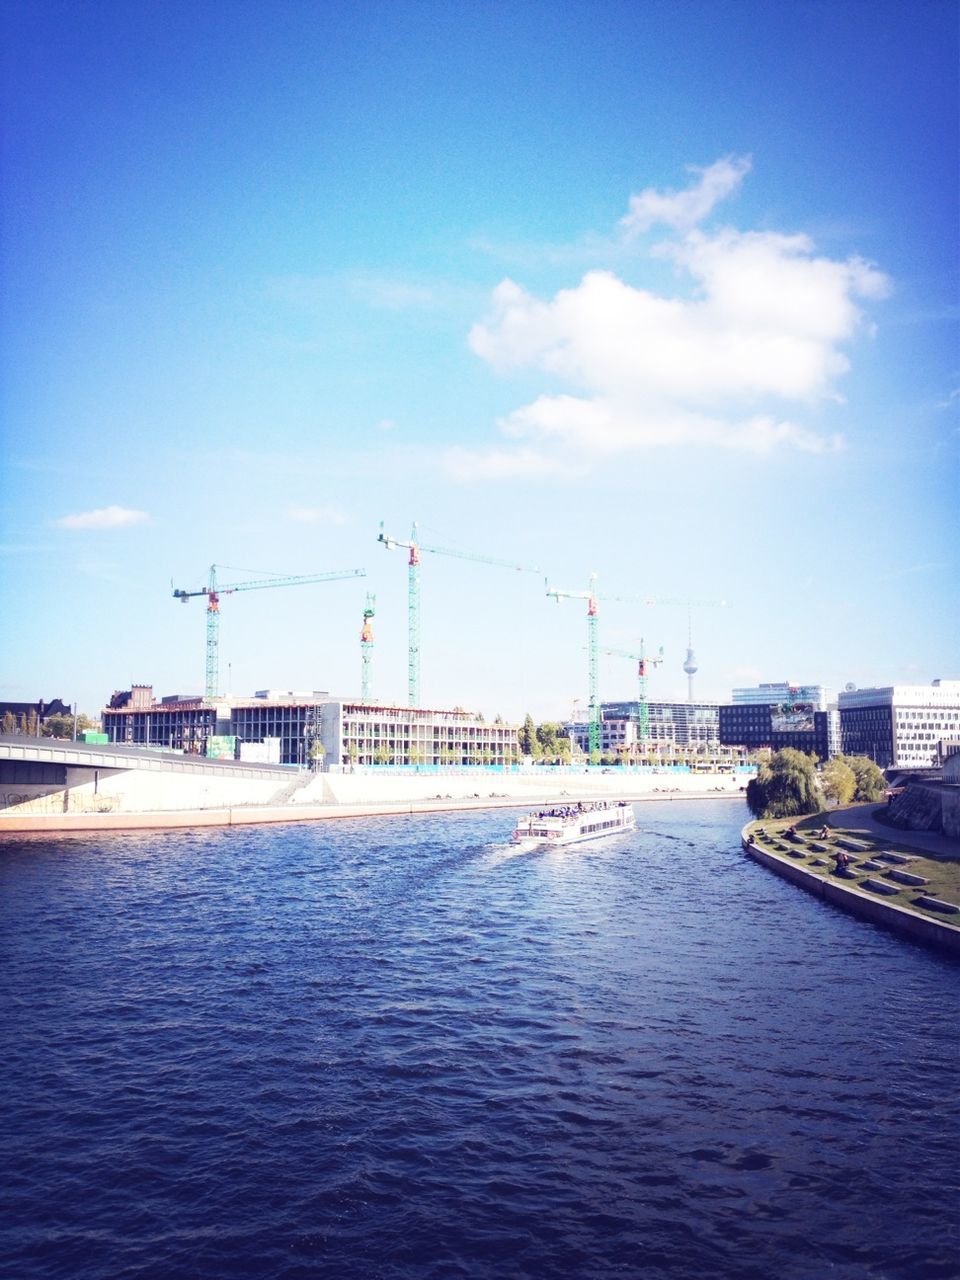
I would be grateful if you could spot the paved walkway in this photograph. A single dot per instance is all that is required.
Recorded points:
(859, 818)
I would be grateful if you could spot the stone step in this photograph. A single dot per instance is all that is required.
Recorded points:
(879, 886)
(936, 904)
(906, 877)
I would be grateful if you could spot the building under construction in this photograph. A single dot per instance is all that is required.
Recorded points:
(668, 726)
(310, 728)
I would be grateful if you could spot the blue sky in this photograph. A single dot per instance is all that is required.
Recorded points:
(665, 292)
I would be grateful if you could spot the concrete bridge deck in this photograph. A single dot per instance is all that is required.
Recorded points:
(85, 755)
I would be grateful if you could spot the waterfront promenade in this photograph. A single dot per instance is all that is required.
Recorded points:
(905, 880)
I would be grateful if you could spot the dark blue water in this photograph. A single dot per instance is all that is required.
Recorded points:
(392, 1048)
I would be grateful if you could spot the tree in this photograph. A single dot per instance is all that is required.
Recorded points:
(528, 737)
(838, 781)
(9, 724)
(786, 787)
(871, 784)
(57, 727)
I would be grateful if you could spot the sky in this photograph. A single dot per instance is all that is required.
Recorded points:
(661, 292)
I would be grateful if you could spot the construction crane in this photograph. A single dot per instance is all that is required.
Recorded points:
(415, 546)
(643, 714)
(366, 647)
(213, 592)
(690, 662)
(592, 599)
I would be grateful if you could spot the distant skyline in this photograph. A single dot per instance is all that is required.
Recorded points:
(665, 293)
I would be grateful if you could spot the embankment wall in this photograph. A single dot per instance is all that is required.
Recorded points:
(134, 791)
(858, 902)
(121, 799)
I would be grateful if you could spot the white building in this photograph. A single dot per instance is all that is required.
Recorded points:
(353, 733)
(905, 726)
(295, 723)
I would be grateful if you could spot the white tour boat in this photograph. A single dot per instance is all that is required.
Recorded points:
(574, 823)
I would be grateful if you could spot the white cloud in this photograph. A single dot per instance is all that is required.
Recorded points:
(316, 515)
(104, 518)
(498, 464)
(684, 209)
(763, 322)
(599, 426)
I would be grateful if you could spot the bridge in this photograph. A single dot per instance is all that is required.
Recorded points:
(18, 748)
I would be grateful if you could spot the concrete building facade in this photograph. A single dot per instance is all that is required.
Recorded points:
(779, 715)
(671, 726)
(312, 728)
(901, 726)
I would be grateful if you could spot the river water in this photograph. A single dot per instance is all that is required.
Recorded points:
(395, 1048)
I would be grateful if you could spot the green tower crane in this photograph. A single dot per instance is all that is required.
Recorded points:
(593, 684)
(366, 647)
(643, 713)
(213, 592)
(415, 547)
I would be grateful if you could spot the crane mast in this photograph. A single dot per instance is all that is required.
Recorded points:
(366, 648)
(643, 662)
(213, 592)
(415, 547)
(593, 597)
(593, 681)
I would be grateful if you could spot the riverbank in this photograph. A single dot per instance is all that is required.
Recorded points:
(533, 792)
(921, 872)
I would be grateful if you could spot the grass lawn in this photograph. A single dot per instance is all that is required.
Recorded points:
(809, 849)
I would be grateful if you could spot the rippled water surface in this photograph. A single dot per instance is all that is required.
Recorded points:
(395, 1048)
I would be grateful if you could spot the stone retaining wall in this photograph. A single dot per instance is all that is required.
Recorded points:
(857, 902)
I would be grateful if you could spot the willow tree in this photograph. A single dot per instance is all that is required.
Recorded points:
(785, 787)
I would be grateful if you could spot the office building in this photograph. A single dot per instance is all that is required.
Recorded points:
(781, 715)
(901, 726)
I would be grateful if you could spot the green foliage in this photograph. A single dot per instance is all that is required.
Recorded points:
(838, 780)
(552, 741)
(58, 727)
(528, 737)
(871, 784)
(786, 787)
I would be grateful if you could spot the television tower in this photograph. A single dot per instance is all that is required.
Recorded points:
(690, 664)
